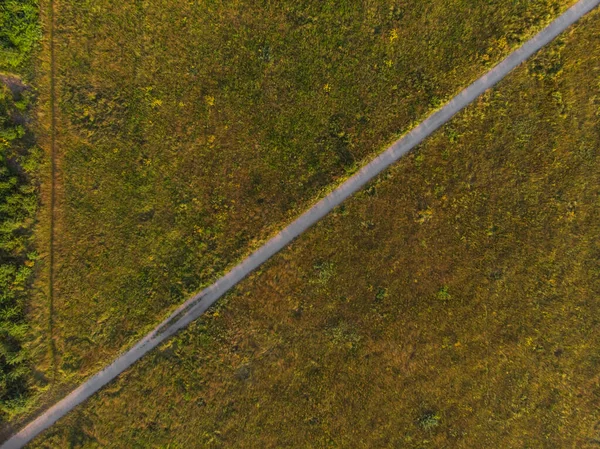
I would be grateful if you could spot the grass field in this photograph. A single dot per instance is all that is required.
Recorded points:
(452, 303)
(188, 133)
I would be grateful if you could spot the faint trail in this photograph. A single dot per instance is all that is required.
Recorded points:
(197, 305)
(52, 204)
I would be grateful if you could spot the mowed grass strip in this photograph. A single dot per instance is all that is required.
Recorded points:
(453, 303)
(188, 132)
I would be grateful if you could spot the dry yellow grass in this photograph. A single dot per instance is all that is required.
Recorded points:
(453, 303)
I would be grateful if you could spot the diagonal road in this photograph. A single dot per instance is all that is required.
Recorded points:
(197, 305)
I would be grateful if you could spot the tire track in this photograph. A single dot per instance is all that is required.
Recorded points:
(52, 202)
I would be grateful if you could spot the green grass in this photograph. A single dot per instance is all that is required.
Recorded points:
(343, 340)
(188, 133)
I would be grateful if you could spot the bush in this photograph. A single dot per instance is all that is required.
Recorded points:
(19, 32)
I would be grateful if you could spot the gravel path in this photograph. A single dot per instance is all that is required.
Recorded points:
(197, 305)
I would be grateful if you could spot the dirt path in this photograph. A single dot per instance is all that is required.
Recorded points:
(197, 305)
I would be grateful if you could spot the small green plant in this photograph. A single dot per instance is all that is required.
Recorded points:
(443, 293)
(325, 270)
(429, 420)
(419, 158)
(381, 294)
(452, 134)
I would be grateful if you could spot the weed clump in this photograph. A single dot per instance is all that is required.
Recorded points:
(443, 293)
(429, 420)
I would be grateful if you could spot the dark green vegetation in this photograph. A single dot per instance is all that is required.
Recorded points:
(19, 33)
(189, 131)
(453, 303)
(18, 204)
(19, 161)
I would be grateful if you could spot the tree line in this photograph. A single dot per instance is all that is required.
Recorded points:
(19, 164)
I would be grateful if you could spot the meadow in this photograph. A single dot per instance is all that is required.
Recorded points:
(188, 132)
(452, 303)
